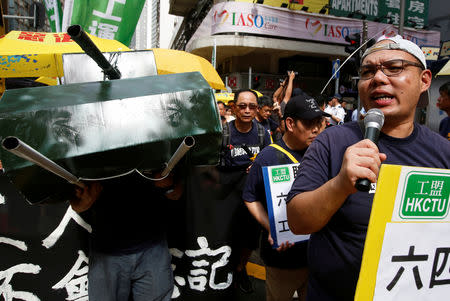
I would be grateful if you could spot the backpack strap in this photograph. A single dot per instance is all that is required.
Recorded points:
(225, 142)
(225, 135)
(290, 156)
(261, 134)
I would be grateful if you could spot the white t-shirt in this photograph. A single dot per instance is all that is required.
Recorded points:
(355, 114)
(337, 111)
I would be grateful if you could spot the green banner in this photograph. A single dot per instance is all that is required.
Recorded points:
(416, 11)
(54, 14)
(108, 19)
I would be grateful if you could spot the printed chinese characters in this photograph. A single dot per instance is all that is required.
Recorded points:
(108, 26)
(76, 281)
(6, 290)
(439, 266)
(200, 260)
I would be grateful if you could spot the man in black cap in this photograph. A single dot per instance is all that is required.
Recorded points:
(286, 270)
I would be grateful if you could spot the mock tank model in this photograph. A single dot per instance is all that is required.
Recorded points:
(91, 129)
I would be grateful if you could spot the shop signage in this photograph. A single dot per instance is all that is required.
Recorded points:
(416, 11)
(231, 17)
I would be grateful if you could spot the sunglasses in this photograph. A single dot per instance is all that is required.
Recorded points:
(251, 106)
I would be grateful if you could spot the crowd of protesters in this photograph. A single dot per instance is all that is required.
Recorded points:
(290, 127)
(323, 200)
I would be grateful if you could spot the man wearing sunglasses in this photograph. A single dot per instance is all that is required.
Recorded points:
(243, 138)
(323, 199)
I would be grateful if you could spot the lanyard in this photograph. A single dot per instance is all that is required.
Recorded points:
(284, 151)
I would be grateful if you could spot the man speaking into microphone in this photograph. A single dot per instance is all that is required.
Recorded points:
(323, 199)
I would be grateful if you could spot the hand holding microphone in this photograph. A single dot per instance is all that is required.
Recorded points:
(373, 122)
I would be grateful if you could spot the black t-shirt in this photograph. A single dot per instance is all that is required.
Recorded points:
(270, 125)
(235, 155)
(294, 257)
(130, 214)
(335, 252)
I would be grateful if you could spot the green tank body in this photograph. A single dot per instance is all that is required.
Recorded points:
(104, 129)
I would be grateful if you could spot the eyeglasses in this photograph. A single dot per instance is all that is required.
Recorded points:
(267, 110)
(389, 68)
(251, 106)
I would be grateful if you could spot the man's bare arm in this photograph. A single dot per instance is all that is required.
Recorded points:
(290, 86)
(310, 211)
(259, 213)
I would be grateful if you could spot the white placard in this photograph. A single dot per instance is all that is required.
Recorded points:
(414, 263)
(278, 180)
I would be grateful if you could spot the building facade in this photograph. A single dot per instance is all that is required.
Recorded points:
(263, 41)
(257, 42)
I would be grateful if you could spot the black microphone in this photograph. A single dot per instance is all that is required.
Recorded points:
(373, 122)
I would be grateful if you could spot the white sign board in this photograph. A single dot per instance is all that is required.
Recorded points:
(278, 180)
(414, 263)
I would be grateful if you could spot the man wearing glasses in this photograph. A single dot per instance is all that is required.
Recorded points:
(243, 138)
(265, 107)
(323, 199)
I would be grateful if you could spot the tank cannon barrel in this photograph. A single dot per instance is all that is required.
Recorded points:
(23, 150)
(184, 147)
(82, 39)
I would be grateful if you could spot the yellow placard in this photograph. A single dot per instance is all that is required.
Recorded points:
(383, 205)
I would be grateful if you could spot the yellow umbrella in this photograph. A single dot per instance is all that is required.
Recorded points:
(34, 54)
(49, 81)
(445, 70)
(176, 61)
(226, 97)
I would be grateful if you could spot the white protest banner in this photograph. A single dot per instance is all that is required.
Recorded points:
(278, 180)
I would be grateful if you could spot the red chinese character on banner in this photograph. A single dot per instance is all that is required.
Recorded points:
(232, 82)
(62, 37)
(270, 84)
(32, 36)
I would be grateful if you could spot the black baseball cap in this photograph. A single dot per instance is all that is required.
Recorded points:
(303, 107)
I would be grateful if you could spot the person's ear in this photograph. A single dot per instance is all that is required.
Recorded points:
(289, 122)
(426, 78)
